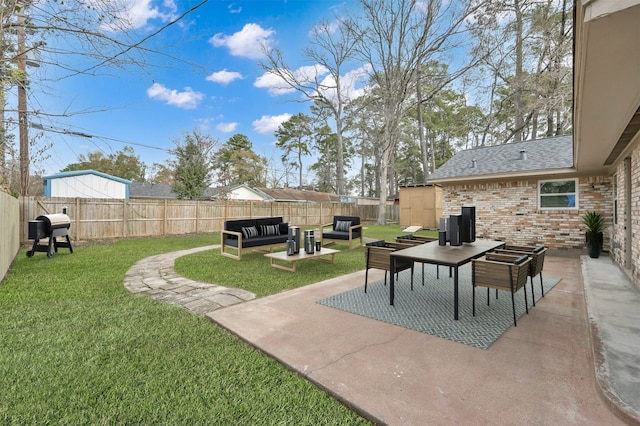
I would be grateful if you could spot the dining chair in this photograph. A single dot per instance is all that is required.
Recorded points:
(501, 272)
(537, 254)
(378, 256)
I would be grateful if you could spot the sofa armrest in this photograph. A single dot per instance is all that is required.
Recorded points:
(223, 245)
(237, 234)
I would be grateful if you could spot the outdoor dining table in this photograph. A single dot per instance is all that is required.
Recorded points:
(451, 256)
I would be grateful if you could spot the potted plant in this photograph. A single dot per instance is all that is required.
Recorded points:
(593, 235)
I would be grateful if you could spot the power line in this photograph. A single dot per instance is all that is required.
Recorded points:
(91, 136)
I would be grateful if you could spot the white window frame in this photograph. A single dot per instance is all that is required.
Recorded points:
(576, 204)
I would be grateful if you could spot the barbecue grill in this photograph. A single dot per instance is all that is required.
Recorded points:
(50, 226)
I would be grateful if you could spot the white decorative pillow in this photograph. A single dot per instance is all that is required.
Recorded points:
(267, 230)
(249, 232)
(342, 225)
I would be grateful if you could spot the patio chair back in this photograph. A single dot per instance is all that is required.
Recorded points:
(378, 256)
(501, 272)
(537, 255)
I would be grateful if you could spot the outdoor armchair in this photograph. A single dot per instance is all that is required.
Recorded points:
(343, 228)
(502, 272)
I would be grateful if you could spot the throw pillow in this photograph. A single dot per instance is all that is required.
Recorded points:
(342, 225)
(267, 230)
(249, 232)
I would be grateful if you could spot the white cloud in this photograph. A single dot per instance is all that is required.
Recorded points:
(326, 28)
(133, 14)
(277, 86)
(269, 123)
(353, 83)
(186, 100)
(273, 83)
(249, 42)
(234, 10)
(227, 127)
(224, 76)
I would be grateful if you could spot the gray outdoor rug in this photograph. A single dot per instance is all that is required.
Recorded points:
(429, 308)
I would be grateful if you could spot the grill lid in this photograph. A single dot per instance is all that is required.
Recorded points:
(56, 221)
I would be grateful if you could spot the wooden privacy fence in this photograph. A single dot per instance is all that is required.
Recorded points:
(93, 218)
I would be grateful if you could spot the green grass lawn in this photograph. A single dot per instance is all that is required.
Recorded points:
(254, 274)
(77, 348)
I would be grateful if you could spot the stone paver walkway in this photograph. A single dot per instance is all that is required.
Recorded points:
(155, 277)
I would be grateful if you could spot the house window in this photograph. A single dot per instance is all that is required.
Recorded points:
(558, 194)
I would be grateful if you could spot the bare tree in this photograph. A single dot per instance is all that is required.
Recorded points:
(530, 81)
(396, 37)
(76, 37)
(330, 51)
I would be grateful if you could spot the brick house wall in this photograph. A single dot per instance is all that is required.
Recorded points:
(620, 233)
(508, 211)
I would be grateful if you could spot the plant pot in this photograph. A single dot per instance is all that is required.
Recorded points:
(594, 251)
(594, 244)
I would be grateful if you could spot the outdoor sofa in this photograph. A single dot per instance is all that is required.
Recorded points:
(252, 234)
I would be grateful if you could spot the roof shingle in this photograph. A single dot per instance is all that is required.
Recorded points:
(541, 155)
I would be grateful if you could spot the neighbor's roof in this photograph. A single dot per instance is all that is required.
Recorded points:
(162, 190)
(289, 194)
(151, 190)
(542, 156)
(85, 172)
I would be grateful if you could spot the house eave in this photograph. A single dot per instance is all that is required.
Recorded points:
(550, 173)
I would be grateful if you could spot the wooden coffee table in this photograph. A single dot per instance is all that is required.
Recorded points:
(317, 255)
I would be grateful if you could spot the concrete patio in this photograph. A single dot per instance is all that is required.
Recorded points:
(567, 362)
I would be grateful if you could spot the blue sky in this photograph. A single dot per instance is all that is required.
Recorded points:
(223, 93)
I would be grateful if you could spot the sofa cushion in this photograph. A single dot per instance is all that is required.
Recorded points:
(268, 230)
(256, 241)
(284, 228)
(237, 225)
(268, 221)
(263, 241)
(249, 232)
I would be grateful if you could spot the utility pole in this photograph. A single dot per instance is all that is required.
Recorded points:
(22, 108)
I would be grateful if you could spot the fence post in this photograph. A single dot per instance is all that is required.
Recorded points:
(124, 218)
(197, 215)
(164, 219)
(78, 221)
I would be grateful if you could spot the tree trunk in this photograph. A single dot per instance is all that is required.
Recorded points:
(423, 144)
(382, 206)
(518, 81)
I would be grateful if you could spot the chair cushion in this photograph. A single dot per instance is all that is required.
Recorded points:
(379, 243)
(342, 225)
(249, 232)
(538, 249)
(335, 235)
(355, 220)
